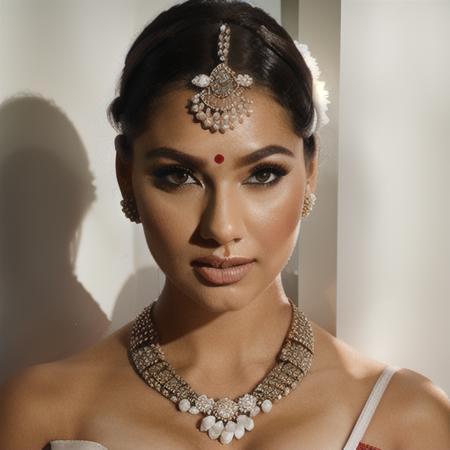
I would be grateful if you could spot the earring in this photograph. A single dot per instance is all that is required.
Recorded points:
(308, 204)
(130, 210)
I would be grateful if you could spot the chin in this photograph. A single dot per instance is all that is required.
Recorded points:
(221, 299)
(212, 298)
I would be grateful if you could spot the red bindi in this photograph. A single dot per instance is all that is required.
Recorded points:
(219, 159)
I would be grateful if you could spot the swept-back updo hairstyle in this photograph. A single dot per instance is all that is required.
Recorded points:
(181, 42)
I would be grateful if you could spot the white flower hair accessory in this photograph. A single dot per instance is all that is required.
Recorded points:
(320, 94)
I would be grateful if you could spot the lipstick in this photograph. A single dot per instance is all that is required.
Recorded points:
(221, 271)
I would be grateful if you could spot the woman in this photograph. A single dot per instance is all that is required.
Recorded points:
(218, 113)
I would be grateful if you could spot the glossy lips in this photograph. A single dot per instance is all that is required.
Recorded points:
(222, 270)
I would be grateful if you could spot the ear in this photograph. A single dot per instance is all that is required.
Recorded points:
(313, 166)
(313, 171)
(123, 167)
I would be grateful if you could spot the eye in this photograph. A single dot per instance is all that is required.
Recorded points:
(173, 175)
(266, 170)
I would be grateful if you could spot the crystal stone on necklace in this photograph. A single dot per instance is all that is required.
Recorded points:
(225, 408)
(204, 404)
(225, 419)
(247, 403)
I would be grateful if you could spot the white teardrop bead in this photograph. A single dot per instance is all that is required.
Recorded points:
(207, 423)
(239, 431)
(249, 424)
(226, 437)
(219, 426)
(213, 434)
(184, 404)
(215, 431)
(230, 426)
(266, 406)
(241, 418)
(255, 411)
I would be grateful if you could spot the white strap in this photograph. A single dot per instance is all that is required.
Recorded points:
(369, 408)
(67, 444)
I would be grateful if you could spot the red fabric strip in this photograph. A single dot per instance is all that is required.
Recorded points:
(362, 446)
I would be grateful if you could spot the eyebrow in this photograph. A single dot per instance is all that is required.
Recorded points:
(194, 161)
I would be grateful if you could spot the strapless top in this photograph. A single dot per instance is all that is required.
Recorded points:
(353, 443)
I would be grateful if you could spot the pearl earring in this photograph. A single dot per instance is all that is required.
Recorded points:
(308, 204)
(130, 210)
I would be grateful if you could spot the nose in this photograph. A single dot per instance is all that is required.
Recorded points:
(222, 217)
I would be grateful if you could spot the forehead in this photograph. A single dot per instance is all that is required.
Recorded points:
(171, 125)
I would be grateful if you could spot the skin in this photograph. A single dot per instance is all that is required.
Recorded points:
(222, 340)
(222, 214)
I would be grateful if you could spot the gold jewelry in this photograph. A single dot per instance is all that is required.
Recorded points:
(308, 204)
(225, 418)
(221, 104)
(130, 210)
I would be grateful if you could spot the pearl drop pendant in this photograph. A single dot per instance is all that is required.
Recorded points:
(226, 430)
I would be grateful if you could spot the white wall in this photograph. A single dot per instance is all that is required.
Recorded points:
(319, 28)
(394, 164)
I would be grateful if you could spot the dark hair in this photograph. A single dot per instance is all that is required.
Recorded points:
(181, 42)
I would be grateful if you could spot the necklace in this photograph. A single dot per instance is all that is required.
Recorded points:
(225, 418)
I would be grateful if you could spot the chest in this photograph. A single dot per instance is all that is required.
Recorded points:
(143, 419)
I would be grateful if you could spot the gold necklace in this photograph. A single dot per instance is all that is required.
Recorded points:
(225, 418)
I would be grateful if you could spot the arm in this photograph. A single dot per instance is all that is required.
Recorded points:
(26, 418)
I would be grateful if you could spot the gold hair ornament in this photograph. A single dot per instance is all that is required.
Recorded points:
(221, 104)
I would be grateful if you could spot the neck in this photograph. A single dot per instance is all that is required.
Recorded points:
(222, 340)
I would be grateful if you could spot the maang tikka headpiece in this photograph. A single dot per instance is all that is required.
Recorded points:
(221, 104)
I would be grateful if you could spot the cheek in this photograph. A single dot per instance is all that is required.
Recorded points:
(275, 223)
(166, 225)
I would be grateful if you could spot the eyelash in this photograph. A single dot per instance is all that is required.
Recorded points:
(278, 169)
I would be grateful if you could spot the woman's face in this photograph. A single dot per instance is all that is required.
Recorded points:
(233, 208)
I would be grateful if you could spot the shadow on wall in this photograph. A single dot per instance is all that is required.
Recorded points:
(46, 188)
(141, 289)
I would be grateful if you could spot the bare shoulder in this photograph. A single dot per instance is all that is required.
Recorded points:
(425, 411)
(414, 413)
(28, 410)
(44, 402)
